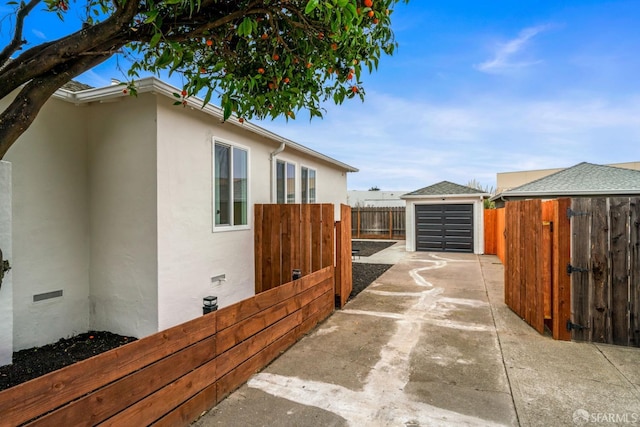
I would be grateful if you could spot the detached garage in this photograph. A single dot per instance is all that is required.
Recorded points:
(445, 217)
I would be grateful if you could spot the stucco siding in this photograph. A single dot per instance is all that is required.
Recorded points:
(6, 288)
(50, 226)
(123, 220)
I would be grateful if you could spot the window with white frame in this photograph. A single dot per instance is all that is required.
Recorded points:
(308, 185)
(230, 186)
(285, 182)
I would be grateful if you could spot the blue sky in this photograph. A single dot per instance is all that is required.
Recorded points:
(477, 88)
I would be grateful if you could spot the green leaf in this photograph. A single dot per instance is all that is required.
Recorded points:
(245, 27)
(155, 40)
(151, 16)
(311, 6)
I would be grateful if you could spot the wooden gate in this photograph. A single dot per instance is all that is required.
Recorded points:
(536, 248)
(304, 237)
(605, 270)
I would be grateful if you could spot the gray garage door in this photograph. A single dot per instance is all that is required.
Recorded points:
(444, 228)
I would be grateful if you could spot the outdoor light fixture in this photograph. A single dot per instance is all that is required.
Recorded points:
(209, 304)
(296, 274)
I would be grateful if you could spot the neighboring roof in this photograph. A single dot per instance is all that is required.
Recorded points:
(153, 85)
(583, 179)
(445, 188)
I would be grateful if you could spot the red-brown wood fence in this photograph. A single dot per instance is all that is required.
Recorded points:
(170, 378)
(494, 236)
(537, 288)
(378, 223)
(302, 237)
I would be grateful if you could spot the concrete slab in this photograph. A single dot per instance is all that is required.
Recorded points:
(432, 343)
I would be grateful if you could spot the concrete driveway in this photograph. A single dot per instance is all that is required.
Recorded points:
(431, 343)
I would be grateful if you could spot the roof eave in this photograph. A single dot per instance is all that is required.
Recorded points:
(154, 85)
(445, 196)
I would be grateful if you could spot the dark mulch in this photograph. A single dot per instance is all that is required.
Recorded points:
(364, 275)
(34, 362)
(368, 248)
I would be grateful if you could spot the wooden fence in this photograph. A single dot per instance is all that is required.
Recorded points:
(170, 378)
(537, 240)
(605, 270)
(305, 238)
(378, 223)
(494, 234)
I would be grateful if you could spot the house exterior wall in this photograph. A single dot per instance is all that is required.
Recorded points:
(50, 226)
(6, 287)
(478, 219)
(190, 251)
(123, 216)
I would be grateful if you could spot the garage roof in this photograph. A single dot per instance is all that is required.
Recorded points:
(445, 188)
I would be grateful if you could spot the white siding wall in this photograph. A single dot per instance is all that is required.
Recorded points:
(6, 289)
(123, 226)
(50, 226)
(189, 251)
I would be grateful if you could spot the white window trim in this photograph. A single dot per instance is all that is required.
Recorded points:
(296, 176)
(313, 168)
(225, 228)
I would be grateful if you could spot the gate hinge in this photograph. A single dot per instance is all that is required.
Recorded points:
(571, 213)
(572, 269)
(574, 326)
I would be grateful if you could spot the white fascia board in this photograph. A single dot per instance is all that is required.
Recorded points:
(154, 85)
(480, 196)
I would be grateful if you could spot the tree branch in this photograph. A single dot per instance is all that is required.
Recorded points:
(19, 115)
(17, 35)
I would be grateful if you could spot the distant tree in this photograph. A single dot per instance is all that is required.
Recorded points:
(374, 188)
(264, 58)
(486, 189)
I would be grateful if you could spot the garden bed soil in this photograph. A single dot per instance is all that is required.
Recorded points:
(34, 362)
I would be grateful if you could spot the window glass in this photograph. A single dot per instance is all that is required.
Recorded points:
(222, 188)
(308, 185)
(231, 186)
(285, 182)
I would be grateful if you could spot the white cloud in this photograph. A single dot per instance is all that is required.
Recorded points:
(403, 145)
(39, 34)
(504, 58)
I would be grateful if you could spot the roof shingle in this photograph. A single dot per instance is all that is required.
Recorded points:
(445, 188)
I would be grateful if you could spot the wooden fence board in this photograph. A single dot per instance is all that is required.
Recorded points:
(580, 253)
(276, 247)
(634, 279)
(265, 270)
(156, 405)
(328, 242)
(561, 280)
(296, 231)
(547, 273)
(490, 231)
(501, 236)
(344, 279)
(600, 271)
(33, 398)
(378, 223)
(289, 246)
(190, 410)
(316, 237)
(258, 239)
(95, 407)
(305, 238)
(619, 216)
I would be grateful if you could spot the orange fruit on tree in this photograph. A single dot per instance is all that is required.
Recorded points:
(309, 64)
(264, 36)
(209, 42)
(276, 57)
(368, 3)
(184, 92)
(375, 21)
(371, 14)
(286, 80)
(334, 46)
(241, 120)
(260, 70)
(354, 89)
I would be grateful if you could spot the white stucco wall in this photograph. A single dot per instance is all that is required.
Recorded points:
(478, 218)
(6, 288)
(50, 226)
(190, 253)
(123, 220)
